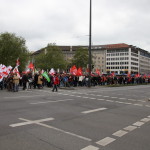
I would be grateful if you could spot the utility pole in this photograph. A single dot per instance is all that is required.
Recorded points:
(90, 37)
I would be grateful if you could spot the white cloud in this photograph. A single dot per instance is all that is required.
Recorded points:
(66, 22)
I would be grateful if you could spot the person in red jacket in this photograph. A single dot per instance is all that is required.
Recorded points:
(55, 82)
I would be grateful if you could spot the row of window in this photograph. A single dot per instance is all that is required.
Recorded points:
(117, 54)
(133, 63)
(134, 68)
(134, 59)
(118, 58)
(117, 67)
(114, 51)
(117, 63)
(133, 54)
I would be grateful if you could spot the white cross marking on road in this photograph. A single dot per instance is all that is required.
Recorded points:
(39, 122)
(30, 122)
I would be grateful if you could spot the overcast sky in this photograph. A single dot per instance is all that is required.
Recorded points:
(66, 22)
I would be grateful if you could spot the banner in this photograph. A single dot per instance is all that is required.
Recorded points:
(46, 76)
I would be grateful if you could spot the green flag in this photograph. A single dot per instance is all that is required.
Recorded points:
(46, 76)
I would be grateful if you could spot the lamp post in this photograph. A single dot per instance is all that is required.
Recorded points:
(90, 37)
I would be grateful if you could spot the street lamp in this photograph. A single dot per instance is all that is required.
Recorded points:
(90, 37)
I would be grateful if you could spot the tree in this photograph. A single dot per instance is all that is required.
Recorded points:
(52, 57)
(11, 48)
(80, 58)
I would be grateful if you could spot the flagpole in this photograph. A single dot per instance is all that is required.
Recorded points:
(90, 37)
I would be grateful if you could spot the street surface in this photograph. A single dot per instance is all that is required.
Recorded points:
(97, 118)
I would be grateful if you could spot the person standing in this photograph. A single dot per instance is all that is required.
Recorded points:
(55, 82)
(16, 82)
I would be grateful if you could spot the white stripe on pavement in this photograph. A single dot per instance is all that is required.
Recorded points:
(138, 123)
(60, 130)
(120, 133)
(90, 147)
(51, 101)
(93, 110)
(130, 128)
(105, 141)
(30, 122)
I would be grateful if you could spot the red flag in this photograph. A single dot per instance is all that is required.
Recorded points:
(113, 74)
(129, 75)
(98, 72)
(79, 72)
(73, 70)
(137, 75)
(31, 66)
(17, 62)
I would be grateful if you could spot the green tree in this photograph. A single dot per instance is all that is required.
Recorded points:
(80, 58)
(11, 48)
(51, 57)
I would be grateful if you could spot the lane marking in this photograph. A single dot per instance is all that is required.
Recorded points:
(93, 110)
(85, 97)
(105, 96)
(138, 123)
(145, 120)
(109, 100)
(90, 147)
(98, 95)
(78, 96)
(147, 105)
(132, 100)
(29, 122)
(114, 97)
(138, 104)
(100, 99)
(60, 130)
(122, 98)
(120, 133)
(24, 96)
(105, 141)
(52, 101)
(92, 98)
(130, 128)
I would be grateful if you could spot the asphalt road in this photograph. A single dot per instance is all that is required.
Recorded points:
(97, 118)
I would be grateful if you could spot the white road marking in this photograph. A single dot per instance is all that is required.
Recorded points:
(105, 141)
(120, 133)
(85, 97)
(114, 97)
(119, 102)
(132, 100)
(60, 130)
(92, 98)
(128, 103)
(65, 94)
(109, 100)
(71, 95)
(148, 116)
(100, 99)
(122, 98)
(78, 96)
(145, 120)
(105, 96)
(138, 104)
(141, 101)
(24, 96)
(51, 101)
(98, 95)
(30, 122)
(130, 128)
(90, 147)
(147, 105)
(93, 110)
(138, 123)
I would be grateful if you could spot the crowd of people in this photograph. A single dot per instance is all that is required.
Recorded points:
(29, 81)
